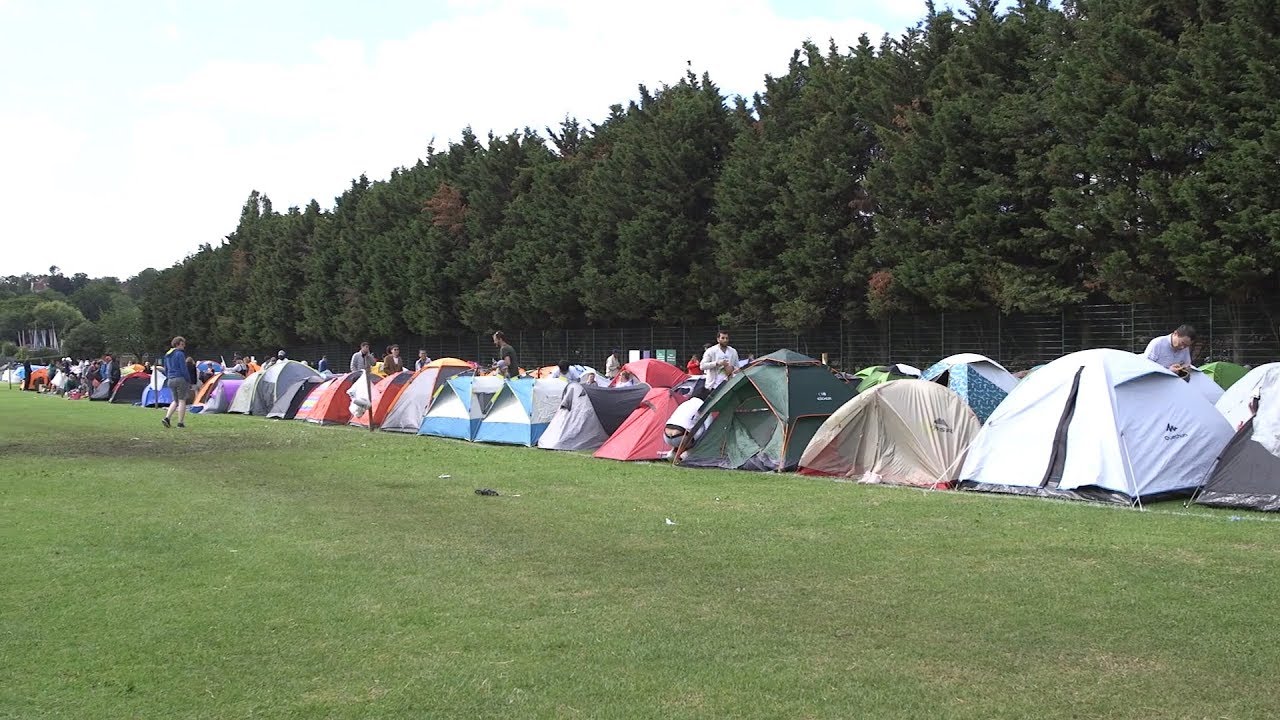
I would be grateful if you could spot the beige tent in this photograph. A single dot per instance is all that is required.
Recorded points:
(904, 432)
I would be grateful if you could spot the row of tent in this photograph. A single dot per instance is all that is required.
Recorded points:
(1103, 425)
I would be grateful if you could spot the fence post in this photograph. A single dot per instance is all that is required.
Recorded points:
(999, 348)
(942, 335)
(1132, 329)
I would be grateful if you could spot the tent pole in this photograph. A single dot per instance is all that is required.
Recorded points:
(368, 388)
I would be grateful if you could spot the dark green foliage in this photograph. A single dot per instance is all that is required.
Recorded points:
(1024, 156)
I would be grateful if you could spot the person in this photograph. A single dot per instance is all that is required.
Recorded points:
(694, 366)
(110, 371)
(625, 379)
(239, 365)
(423, 360)
(391, 363)
(281, 355)
(612, 365)
(323, 365)
(507, 365)
(571, 373)
(1173, 351)
(26, 374)
(1254, 403)
(361, 359)
(719, 361)
(175, 369)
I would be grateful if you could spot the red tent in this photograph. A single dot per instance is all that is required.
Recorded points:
(384, 396)
(654, 373)
(640, 435)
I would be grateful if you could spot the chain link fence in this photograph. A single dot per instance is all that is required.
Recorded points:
(1245, 334)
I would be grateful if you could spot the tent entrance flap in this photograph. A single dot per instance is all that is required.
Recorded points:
(1058, 454)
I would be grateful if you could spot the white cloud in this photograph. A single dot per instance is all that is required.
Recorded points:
(303, 130)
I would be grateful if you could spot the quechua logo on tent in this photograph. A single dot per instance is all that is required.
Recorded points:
(1171, 432)
(941, 425)
(823, 396)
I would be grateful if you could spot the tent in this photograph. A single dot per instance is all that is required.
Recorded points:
(243, 400)
(1204, 385)
(901, 433)
(1225, 374)
(157, 393)
(588, 415)
(385, 394)
(329, 404)
(406, 413)
(206, 390)
(130, 388)
(222, 395)
(877, 374)
(290, 400)
(1097, 425)
(1234, 403)
(980, 381)
(208, 366)
(102, 391)
(654, 373)
(39, 376)
(275, 380)
(462, 403)
(521, 411)
(1245, 476)
(763, 417)
(640, 435)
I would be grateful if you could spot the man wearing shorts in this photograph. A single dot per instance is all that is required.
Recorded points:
(175, 369)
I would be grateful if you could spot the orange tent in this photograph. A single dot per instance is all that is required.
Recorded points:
(385, 394)
(39, 376)
(331, 407)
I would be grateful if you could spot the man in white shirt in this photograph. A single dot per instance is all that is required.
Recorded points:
(1172, 351)
(719, 361)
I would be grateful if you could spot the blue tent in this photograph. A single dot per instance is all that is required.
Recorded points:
(980, 381)
(151, 397)
(521, 411)
(457, 410)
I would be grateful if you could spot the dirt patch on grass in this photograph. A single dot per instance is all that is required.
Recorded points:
(150, 447)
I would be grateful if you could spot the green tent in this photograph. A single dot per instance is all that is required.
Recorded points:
(763, 417)
(1225, 374)
(870, 377)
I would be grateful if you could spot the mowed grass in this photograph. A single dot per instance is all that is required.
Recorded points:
(253, 568)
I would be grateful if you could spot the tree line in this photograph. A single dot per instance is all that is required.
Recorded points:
(78, 316)
(1022, 158)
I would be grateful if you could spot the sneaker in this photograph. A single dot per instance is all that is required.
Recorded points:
(165, 422)
(181, 425)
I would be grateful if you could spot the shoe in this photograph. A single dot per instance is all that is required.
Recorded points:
(165, 422)
(181, 425)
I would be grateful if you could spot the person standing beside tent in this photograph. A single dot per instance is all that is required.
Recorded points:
(175, 370)
(361, 359)
(1173, 351)
(506, 356)
(719, 361)
(612, 365)
(391, 363)
(694, 366)
(110, 370)
(323, 365)
(423, 360)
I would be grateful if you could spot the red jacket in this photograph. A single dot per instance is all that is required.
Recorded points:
(694, 367)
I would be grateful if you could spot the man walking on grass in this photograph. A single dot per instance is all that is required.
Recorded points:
(175, 369)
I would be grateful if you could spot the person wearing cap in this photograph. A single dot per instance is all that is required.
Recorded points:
(1173, 351)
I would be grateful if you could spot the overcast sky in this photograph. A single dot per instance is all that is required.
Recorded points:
(131, 132)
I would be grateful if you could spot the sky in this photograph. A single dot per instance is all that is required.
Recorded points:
(132, 132)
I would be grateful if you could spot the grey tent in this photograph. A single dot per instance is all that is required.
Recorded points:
(1245, 476)
(274, 381)
(588, 415)
(288, 402)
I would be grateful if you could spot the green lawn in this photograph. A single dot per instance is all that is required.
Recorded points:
(251, 568)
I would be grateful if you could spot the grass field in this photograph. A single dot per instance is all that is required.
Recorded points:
(251, 568)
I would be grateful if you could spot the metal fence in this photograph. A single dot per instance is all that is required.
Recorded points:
(1246, 334)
